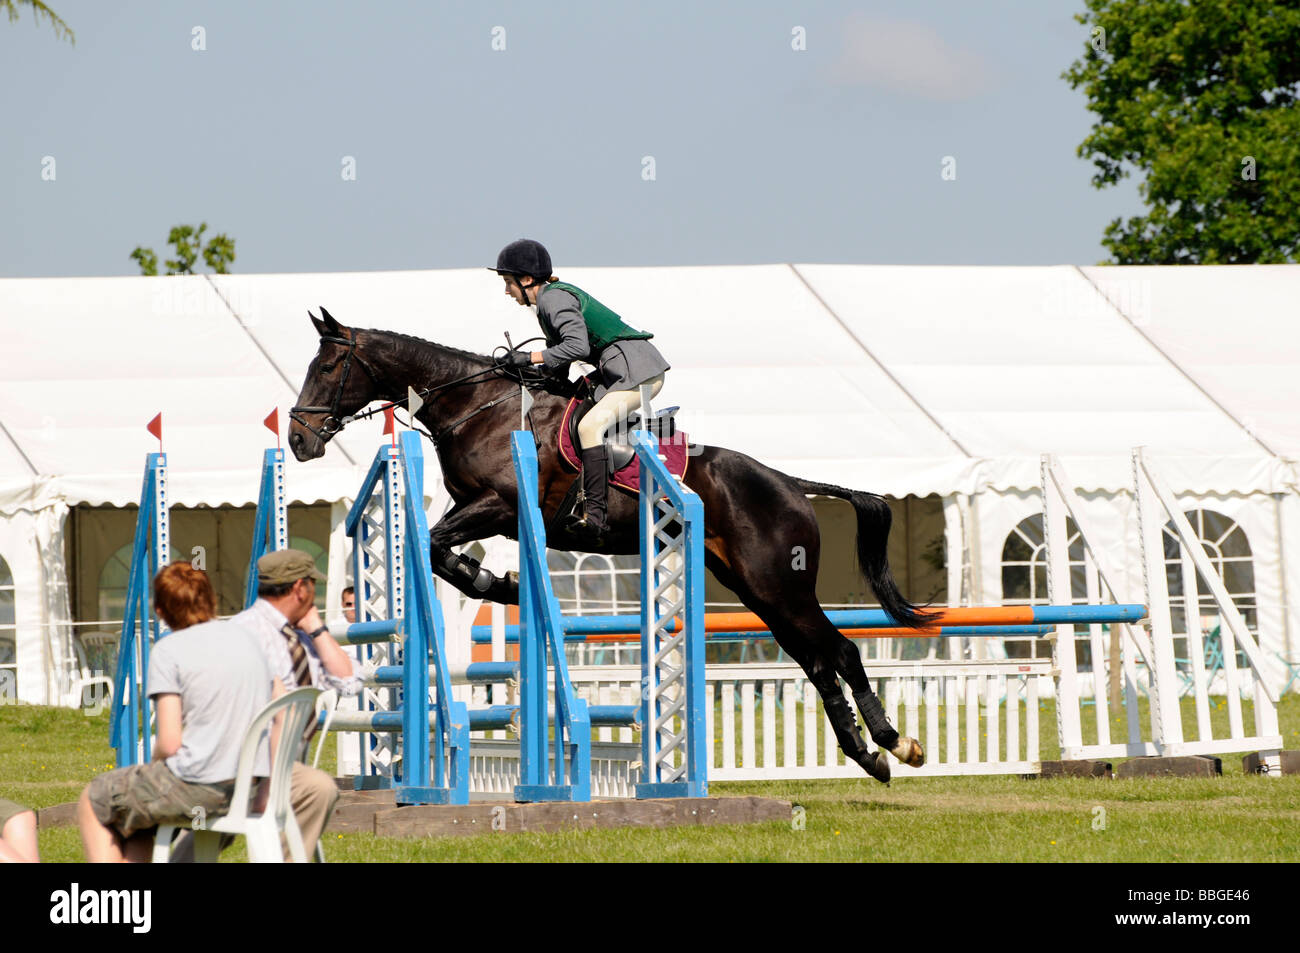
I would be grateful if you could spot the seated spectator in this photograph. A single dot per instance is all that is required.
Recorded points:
(299, 651)
(208, 680)
(17, 834)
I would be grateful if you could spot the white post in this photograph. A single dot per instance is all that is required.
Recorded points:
(954, 542)
(1195, 646)
(1097, 644)
(1069, 727)
(1166, 719)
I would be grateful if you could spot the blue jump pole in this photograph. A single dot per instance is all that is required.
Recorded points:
(674, 749)
(426, 643)
(131, 721)
(542, 630)
(482, 634)
(434, 766)
(271, 524)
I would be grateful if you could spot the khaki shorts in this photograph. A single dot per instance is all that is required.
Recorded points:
(142, 796)
(9, 810)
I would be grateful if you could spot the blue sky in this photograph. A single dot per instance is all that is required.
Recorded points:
(761, 153)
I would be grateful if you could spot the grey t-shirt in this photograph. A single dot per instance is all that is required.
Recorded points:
(220, 673)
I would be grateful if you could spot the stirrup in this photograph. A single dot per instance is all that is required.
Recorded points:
(585, 533)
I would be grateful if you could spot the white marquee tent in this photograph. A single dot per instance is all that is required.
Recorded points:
(948, 381)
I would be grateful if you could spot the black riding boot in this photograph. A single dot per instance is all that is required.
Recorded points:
(594, 528)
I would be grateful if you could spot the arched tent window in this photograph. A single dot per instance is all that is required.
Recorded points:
(1024, 576)
(114, 579)
(593, 584)
(8, 635)
(1226, 544)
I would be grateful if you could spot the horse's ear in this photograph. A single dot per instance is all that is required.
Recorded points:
(329, 320)
(321, 327)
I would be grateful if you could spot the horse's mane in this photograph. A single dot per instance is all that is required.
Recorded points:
(411, 341)
(408, 342)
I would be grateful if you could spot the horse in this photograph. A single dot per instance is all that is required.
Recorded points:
(757, 520)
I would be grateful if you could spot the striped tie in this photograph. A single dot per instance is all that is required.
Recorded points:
(297, 656)
(301, 672)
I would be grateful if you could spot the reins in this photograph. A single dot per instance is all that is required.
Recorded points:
(332, 423)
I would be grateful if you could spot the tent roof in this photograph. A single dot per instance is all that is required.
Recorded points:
(897, 379)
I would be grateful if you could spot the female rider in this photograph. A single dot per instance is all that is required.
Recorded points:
(578, 327)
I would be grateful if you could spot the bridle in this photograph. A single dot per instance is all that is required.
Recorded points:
(332, 423)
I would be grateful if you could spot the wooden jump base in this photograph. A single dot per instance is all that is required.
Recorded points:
(375, 812)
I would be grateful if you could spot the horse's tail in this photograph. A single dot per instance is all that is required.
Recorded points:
(874, 520)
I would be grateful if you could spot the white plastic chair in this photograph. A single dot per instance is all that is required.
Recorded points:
(81, 678)
(328, 704)
(262, 831)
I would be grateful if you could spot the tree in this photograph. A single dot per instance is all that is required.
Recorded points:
(39, 10)
(188, 242)
(1200, 97)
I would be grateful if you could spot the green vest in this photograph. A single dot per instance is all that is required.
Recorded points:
(604, 327)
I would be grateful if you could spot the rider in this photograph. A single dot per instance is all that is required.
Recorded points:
(578, 327)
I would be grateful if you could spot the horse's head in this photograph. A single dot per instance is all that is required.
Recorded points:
(339, 383)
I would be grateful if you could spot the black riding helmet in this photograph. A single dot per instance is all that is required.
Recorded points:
(524, 257)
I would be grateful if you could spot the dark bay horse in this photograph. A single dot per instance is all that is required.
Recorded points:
(761, 538)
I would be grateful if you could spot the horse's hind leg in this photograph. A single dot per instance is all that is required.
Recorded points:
(906, 750)
(826, 656)
(845, 726)
(824, 675)
(821, 670)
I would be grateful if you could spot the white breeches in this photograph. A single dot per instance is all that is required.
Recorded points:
(611, 408)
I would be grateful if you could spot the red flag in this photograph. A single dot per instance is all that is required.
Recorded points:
(272, 423)
(155, 427)
(388, 419)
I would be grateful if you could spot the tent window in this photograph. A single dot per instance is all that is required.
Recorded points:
(1229, 550)
(1024, 577)
(592, 584)
(8, 635)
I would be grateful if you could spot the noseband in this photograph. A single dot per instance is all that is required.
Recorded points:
(332, 423)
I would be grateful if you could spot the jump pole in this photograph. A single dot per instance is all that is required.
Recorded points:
(271, 522)
(131, 721)
(862, 623)
(674, 746)
(568, 776)
(672, 712)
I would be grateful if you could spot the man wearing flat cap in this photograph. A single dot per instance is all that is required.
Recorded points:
(299, 651)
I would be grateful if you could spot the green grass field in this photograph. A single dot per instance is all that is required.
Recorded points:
(49, 754)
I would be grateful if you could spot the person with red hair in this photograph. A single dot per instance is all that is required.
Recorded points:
(208, 680)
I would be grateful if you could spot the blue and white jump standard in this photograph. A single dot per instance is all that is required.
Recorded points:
(131, 722)
(674, 752)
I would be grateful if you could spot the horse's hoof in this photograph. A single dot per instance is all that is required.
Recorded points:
(878, 766)
(909, 752)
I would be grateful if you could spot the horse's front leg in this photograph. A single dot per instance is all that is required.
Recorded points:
(480, 518)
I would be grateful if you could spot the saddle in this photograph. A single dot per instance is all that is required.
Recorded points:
(624, 472)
